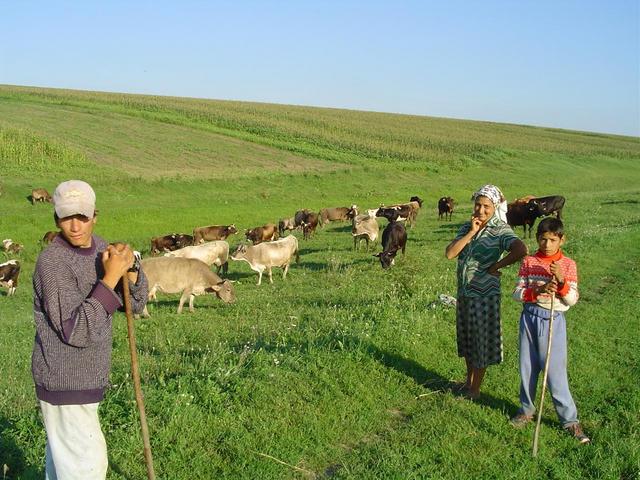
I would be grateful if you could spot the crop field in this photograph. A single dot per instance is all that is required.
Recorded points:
(343, 370)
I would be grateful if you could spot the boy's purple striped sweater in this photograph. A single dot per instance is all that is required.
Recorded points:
(72, 310)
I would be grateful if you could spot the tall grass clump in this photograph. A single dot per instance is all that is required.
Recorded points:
(23, 152)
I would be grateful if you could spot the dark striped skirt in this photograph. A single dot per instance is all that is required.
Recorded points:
(478, 328)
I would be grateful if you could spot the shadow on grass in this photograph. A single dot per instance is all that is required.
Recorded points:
(13, 457)
(432, 380)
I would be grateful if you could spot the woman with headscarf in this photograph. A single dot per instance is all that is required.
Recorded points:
(479, 245)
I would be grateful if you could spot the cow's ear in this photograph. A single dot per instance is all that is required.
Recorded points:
(214, 288)
(376, 255)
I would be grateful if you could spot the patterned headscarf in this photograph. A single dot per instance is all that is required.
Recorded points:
(494, 194)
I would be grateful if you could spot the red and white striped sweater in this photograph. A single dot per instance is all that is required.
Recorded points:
(535, 271)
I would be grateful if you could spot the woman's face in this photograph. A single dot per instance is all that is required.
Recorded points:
(483, 209)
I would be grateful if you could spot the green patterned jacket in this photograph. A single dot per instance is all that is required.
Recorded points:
(479, 254)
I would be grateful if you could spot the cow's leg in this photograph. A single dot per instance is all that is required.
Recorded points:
(284, 271)
(259, 276)
(191, 299)
(225, 268)
(270, 276)
(183, 298)
(145, 312)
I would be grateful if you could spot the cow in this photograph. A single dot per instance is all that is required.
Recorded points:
(9, 273)
(337, 214)
(394, 238)
(40, 195)
(445, 207)
(188, 276)
(267, 255)
(416, 199)
(213, 232)
(265, 233)
(169, 243)
(519, 213)
(309, 225)
(548, 205)
(212, 253)
(364, 227)
(300, 217)
(286, 224)
(10, 246)
(406, 211)
(393, 214)
(48, 237)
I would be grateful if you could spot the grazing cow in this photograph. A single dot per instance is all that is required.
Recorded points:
(48, 237)
(337, 214)
(9, 273)
(169, 243)
(364, 227)
(212, 253)
(445, 207)
(267, 255)
(309, 225)
(188, 276)
(40, 195)
(394, 238)
(406, 211)
(265, 233)
(524, 214)
(548, 205)
(213, 232)
(10, 246)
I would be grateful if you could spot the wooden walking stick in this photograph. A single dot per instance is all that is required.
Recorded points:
(136, 378)
(544, 378)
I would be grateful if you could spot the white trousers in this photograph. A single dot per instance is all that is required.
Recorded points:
(76, 448)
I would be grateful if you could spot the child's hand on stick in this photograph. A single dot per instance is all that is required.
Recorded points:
(556, 270)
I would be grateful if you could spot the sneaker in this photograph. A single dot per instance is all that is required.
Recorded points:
(576, 430)
(520, 420)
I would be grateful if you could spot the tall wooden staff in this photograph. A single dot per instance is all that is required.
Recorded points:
(136, 378)
(544, 378)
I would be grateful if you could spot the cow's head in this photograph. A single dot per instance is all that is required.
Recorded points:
(240, 252)
(353, 211)
(224, 291)
(232, 229)
(387, 257)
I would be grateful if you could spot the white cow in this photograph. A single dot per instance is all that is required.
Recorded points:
(364, 227)
(212, 253)
(267, 255)
(188, 276)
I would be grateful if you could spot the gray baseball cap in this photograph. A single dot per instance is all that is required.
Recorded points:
(74, 197)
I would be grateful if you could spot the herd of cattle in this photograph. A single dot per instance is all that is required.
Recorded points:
(186, 265)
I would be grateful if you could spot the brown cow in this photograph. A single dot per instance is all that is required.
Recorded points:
(213, 232)
(265, 233)
(445, 207)
(40, 195)
(337, 214)
(309, 224)
(169, 243)
(9, 273)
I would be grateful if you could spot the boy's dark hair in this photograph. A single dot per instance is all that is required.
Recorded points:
(551, 225)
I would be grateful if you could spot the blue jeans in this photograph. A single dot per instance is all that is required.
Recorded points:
(534, 336)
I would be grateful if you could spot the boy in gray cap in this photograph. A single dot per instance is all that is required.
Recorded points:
(75, 296)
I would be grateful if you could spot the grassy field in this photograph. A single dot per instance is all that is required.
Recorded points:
(343, 371)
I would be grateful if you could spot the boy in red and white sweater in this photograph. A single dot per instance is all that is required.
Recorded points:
(546, 277)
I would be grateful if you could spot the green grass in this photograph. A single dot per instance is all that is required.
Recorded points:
(341, 371)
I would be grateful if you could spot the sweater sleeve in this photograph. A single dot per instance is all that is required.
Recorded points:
(78, 320)
(568, 292)
(523, 291)
(139, 292)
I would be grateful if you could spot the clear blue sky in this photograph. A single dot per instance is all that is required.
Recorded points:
(563, 63)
